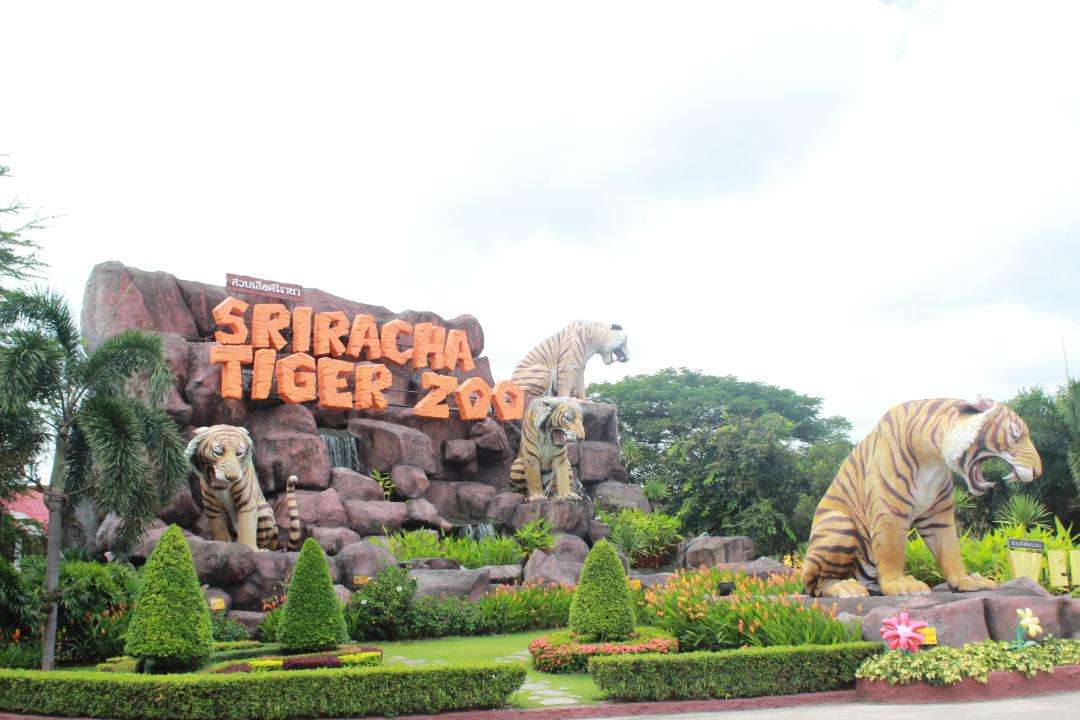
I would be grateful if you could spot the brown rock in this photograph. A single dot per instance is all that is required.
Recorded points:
(283, 419)
(473, 499)
(563, 515)
(409, 481)
(502, 505)
(649, 580)
(203, 391)
(503, 574)
(375, 517)
(614, 495)
(957, 623)
(222, 564)
(317, 509)
(270, 579)
(468, 584)
(762, 567)
(384, 445)
(549, 570)
(333, 539)
(351, 485)
(1001, 617)
(343, 593)
(433, 563)
(181, 509)
(250, 619)
(362, 559)
(598, 461)
(120, 298)
(707, 551)
(201, 300)
(461, 452)
(569, 547)
(443, 495)
(490, 440)
(420, 513)
(601, 422)
(598, 531)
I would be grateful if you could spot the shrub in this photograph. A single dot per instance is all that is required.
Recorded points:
(226, 645)
(170, 627)
(312, 617)
(430, 617)
(361, 659)
(532, 606)
(750, 672)
(944, 665)
(379, 609)
(559, 652)
(311, 662)
(26, 655)
(470, 553)
(121, 664)
(268, 626)
(340, 692)
(18, 607)
(602, 608)
(645, 538)
(225, 629)
(534, 535)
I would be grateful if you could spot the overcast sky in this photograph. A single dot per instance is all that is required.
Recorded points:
(867, 202)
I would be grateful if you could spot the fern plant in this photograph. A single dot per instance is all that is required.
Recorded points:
(1023, 510)
(535, 535)
(385, 482)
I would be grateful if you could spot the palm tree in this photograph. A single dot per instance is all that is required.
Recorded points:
(1068, 407)
(114, 446)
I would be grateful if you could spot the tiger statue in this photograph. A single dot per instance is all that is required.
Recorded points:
(900, 475)
(221, 456)
(548, 425)
(557, 365)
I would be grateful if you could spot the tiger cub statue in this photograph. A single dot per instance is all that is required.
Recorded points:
(900, 476)
(557, 365)
(548, 425)
(221, 456)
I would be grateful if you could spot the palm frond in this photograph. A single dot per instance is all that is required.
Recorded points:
(22, 438)
(1068, 405)
(108, 369)
(77, 463)
(165, 447)
(46, 311)
(31, 367)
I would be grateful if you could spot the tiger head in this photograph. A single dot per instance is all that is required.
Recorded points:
(224, 449)
(614, 346)
(992, 430)
(564, 423)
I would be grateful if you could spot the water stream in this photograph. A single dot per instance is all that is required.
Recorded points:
(341, 449)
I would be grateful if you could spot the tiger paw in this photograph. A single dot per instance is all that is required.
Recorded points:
(904, 585)
(535, 497)
(845, 589)
(570, 496)
(973, 582)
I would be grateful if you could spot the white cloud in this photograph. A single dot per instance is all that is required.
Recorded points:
(861, 201)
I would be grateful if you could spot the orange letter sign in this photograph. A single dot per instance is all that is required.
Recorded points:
(230, 313)
(296, 378)
(301, 329)
(432, 405)
(364, 336)
(263, 373)
(458, 352)
(509, 401)
(390, 332)
(334, 383)
(267, 322)
(469, 409)
(428, 340)
(330, 327)
(371, 380)
(231, 358)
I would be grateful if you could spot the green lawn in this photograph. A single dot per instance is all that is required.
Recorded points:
(540, 689)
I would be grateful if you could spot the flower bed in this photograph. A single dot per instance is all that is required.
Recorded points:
(560, 652)
(348, 656)
(748, 672)
(948, 665)
(341, 692)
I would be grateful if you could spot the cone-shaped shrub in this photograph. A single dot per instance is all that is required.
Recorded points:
(170, 626)
(602, 608)
(312, 618)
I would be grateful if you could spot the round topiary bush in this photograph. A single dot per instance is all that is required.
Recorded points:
(312, 618)
(170, 626)
(602, 608)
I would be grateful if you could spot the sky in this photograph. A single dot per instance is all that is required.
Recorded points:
(865, 202)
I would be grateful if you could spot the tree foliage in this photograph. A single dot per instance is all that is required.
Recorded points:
(313, 618)
(602, 609)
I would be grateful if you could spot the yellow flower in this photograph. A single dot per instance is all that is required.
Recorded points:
(1029, 622)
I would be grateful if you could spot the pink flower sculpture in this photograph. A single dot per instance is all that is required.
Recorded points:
(902, 633)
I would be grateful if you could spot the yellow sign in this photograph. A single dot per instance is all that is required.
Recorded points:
(1055, 561)
(1025, 564)
(1074, 561)
(359, 580)
(217, 603)
(929, 635)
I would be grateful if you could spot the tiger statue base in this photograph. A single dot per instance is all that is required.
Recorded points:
(901, 476)
(231, 496)
(548, 426)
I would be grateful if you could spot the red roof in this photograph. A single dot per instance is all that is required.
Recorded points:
(30, 504)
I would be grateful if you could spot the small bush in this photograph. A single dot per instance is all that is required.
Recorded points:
(535, 535)
(532, 606)
(944, 665)
(313, 617)
(26, 655)
(361, 659)
(431, 617)
(225, 645)
(470, 553)
(379, 610)
(749, 672)
(171, 623)
(602, 608)
(225, 629)
(340, 692)
(560, 652)
(311, 662)
(645, 538)
(268, 626)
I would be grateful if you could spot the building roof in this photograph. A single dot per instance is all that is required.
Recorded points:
(29, 505)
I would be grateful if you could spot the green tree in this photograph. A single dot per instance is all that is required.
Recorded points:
(818, 464)
(602, 608)
(118, 448)
(1054, 423)
(170, 626)
(313, 618)
(18, 254)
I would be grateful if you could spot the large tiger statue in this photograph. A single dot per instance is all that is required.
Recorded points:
(557, 365)
(900, 476)
(231, 496)
(548, 425)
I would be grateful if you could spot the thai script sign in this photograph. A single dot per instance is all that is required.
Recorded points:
(263, 288)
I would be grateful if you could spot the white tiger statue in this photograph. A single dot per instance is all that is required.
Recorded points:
(557, 365)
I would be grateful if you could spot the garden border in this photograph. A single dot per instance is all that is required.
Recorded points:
(999, 685)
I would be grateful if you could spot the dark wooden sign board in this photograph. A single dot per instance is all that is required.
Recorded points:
(247, 285)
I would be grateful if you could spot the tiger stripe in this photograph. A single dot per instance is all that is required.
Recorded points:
(557, 365)
(541, 461)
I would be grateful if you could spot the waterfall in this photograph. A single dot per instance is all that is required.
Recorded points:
(476, 530)
(341, 449)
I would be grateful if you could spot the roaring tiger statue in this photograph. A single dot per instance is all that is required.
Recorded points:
(548, 425)
(900, 475)
(557, 365)
(221, 456)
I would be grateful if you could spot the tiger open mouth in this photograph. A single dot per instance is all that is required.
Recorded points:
(978, 484)
(558, 437)
(621, 354)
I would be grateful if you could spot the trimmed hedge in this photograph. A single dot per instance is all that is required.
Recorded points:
(749, 672)
(170, 626)
(313, 618)
(340, 692)
(602, 608)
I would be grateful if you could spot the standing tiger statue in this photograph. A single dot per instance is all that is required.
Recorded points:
(900, 476)
(549, 424)
(231, 496)
(557, 365)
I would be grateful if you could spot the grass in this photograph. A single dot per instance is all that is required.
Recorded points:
(540, 689)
